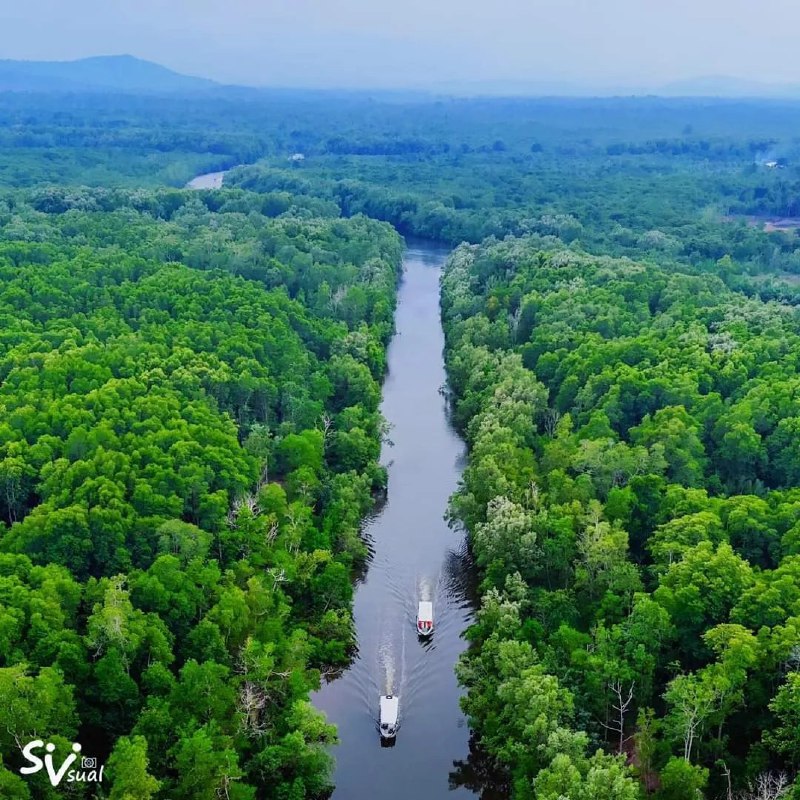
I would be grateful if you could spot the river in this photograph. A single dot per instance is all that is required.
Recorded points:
(209, 180)
(414, 555)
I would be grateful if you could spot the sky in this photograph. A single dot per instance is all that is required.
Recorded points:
(420, 43)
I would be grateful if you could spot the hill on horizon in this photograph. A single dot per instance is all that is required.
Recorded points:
(127, 73)
(721, 87)
(729, 87)
(121, 73)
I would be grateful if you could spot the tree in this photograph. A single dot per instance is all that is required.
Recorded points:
(34, 706)
(603, 551)
(679, 435)
(128, 770)
(785, 738)
(701, 590)
(506, 542)
(681, 780)
(208, 767)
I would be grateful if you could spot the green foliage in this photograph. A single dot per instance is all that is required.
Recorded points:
(189, 437)
(786, 706)
(681, 780)
(189, 429)
(632, 515)
(127, 768)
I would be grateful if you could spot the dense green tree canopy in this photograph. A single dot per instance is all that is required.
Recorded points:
(632, 511)
(189, 430)
(189, 433)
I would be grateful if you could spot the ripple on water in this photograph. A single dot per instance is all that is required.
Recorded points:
(413, 555)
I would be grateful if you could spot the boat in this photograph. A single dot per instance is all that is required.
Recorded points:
(425, 618)
(389, 712)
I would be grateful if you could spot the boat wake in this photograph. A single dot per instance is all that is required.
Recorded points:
(426, 588)
(386, 664)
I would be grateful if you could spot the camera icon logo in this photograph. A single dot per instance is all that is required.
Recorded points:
(88, 763)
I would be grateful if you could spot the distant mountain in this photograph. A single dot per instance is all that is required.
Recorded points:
(725, 86)
(125, 73)
(707, 86)
(100, 73)
(540, 87)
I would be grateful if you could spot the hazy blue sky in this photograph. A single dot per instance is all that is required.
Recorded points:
(416, 42)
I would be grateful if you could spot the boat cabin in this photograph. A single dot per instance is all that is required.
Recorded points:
(425, 618)
(389, 712)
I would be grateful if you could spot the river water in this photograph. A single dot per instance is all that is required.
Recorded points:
(209, 180)
(414, 555)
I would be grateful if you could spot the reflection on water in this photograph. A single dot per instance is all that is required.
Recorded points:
(414, 555)
(478, 774)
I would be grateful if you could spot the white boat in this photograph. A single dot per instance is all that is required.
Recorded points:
(389, 712)
(425, 618)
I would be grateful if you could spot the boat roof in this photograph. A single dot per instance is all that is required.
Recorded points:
(425, 611)
(390, 705)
